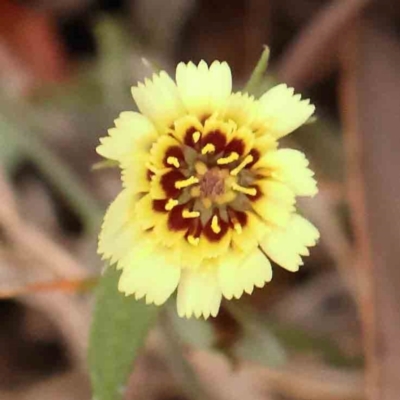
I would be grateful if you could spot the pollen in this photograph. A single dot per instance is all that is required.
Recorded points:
(227, 160)
(246, 161)
(194, 241)
(196, 137)
(208, 148)
(173, 161)
(244, 190)
(190, 214)
(171, 204)
(237, 227)
(187, 182)
(216, 228)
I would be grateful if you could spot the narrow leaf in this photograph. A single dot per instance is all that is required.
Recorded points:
(105, 164)
(195, 332)
(119, 328)
(258, 343)
(257, 75)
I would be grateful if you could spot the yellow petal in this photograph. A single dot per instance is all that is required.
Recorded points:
(135, 175)
(198, 293)
(204, 89)
(191, 257)
(188, 123)
(246, 136)
(286, 246)
(149, 272)
(119, 230)
(159, 100)
(167, 237)
(291, 167)
(133, 134)
(277, 191)
(216, 248)
(272, 211)
(159, 150)
(282, 111)
(248, 237)
(145, 215)
(242, 274)
(240, 108)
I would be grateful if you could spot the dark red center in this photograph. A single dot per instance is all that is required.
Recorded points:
(212, 184)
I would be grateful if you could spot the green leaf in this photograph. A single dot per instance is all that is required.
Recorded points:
(119, 329)
(257, 76)
(105, 164)
(258, 343)
(195, 332)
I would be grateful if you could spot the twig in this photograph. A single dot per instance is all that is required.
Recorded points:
(61, 285)
(369, 104)
(315, 50)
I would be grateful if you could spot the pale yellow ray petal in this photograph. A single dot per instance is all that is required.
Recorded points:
(248, 237)
(159, 100)
(204, 90)
(240, 274)
(198, 293)
(244, 134)
(240, 108)
(133, 134)
(220, 84)
(291, 167)
(119, 230)
(160, 148)
(272, 211)
(167, 237)
(191, 257)
(145, 215)
(135, 175)
(286, 246)
(256, 271)
(188, 123)
(217, 248)
(277, 191)
(148, 272)
(282, 111)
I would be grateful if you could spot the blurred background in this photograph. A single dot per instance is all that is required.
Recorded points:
(329, 332)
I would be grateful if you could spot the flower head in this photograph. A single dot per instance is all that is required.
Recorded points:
(208, 197)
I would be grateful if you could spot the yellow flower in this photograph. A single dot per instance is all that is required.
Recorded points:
(208, 197)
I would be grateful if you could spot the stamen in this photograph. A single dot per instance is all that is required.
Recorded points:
(249, 159)
(194, 241)
(187, 182)
(237, 227)
(215, 225)
(173, 161)
(190, 214)
(208, 148)
(245, 190)
(227, 160)
(171, 204)
(196, 136)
